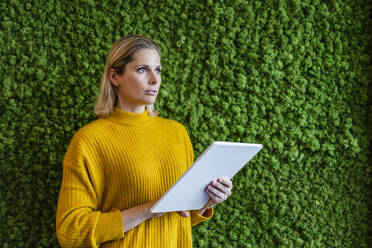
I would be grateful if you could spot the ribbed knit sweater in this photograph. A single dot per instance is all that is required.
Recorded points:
(118, 162)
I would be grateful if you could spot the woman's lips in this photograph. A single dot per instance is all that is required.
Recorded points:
(151, 92)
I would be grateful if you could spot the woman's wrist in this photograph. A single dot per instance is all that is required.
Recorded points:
(147, 212)
(136, 215)
(210, 206)
(205, 208)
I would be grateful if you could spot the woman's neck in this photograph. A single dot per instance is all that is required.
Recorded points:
(133, 108)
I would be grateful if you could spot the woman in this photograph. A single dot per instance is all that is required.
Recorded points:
(117, 166)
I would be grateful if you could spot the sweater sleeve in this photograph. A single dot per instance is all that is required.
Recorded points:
(196, 218)
(79, 222)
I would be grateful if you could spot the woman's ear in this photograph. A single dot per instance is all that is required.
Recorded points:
(112, 77)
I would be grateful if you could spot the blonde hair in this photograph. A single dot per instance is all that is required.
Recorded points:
(120, 54)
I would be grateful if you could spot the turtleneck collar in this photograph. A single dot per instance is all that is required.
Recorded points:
(128, 118)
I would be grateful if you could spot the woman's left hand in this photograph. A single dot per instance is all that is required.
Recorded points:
(218, 190)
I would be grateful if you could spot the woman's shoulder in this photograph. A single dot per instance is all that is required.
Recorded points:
(90, 129)
(97, 128)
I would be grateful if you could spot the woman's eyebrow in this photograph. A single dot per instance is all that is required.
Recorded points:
(147, 66)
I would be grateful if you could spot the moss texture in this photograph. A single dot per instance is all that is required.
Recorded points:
(292, 75)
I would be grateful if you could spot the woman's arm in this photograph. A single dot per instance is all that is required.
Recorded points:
(218, 191)
(132, 217)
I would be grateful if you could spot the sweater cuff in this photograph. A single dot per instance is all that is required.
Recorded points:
(197, 218)
(109, 226)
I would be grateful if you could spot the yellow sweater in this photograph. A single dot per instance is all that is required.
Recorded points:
(118, 162)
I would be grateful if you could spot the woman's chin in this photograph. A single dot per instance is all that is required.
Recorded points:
(149, 101)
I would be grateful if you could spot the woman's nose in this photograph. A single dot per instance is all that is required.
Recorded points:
(153, 78)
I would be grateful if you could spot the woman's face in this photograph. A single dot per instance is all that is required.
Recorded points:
(140, 81)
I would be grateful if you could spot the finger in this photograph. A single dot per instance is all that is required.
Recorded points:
(218, 195)
(183, 213)
(225, 181)
(156, 215)
(215, 199)
(221, 187)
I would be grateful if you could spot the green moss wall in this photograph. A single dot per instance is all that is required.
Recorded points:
(292, 75)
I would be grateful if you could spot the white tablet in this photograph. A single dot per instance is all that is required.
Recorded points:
(220, 159)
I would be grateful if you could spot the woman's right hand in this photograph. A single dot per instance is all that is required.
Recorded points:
(134, 216)
(149, 205)
(183, 213)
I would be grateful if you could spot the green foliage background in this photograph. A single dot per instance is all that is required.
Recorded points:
(292, 75)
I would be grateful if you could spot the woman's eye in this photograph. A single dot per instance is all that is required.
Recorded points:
(158, 70)
(142, 69)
